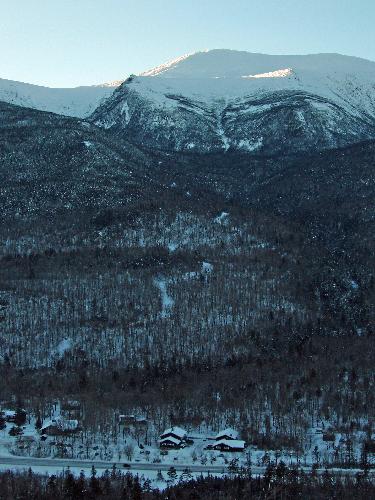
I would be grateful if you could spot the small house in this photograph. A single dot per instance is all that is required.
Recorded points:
(9, 415)
(12, 415)
(227, 434)
(50, 428)
(59, 426)
(175, 432)
(141, 422)
(71, 409)
(132, 420)
(171, 442)
(126, 419)
(231, 445)
(174, 437)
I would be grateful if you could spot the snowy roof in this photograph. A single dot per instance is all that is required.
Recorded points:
(71, 403)
(9, 413)
(49, 423)
(231, 433)
(176, 431)
(170, 439)
(27, 438)
(68, 424)
(61, 423)
(232, 443)
(133, 418)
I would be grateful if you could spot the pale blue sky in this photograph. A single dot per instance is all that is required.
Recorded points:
(78, 42)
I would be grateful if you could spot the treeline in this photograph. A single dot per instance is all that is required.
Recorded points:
(278, 483)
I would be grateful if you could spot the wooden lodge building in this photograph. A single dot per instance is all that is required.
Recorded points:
(227, 440)
(228, 445)
(174, 437)
(227, 434)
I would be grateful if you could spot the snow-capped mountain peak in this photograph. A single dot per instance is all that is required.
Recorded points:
(219, 100)
(232, 63)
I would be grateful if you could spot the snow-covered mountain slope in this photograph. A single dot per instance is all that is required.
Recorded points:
(223, 99)
(79, 101)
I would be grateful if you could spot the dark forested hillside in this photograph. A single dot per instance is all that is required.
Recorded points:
(127, 274)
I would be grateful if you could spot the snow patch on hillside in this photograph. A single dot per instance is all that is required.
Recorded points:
(222, 218)
(125, 111)
(166, 300)
(207, 267)
(250, 144)
(280, 73)
(64, 346)
(221, 133)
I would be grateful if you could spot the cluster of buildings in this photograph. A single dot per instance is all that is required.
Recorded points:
(66, 423)
(132, 420)
(60, 426)
(226, 440)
